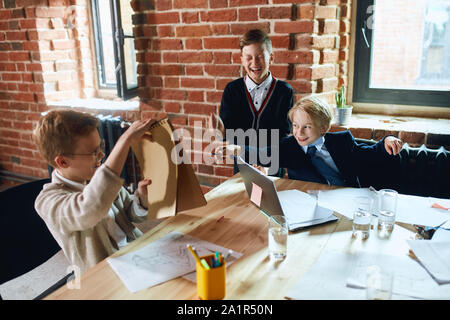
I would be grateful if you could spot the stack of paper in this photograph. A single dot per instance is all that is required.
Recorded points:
(342, 276)
(410, 209)
(301, 209)
(435, 257)
(162, 260)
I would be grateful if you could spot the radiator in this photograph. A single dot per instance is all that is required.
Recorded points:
(110, 130)
(424, 171)
(417, 171)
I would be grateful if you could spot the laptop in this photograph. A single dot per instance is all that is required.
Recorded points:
(299, 208)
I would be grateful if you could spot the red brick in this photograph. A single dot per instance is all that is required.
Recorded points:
(241, 28)
(248, 14)
(305, 57)
(327, 84)
(301, 26)
(219, 15)
(180, 4)
(193, 31)
(196, 57)
(322, 71)
(163, 17)
(236, 3)
(328, 26)
(278, 12)
(221, 43)
(197, 83)
(197, 108)
(223, 70)
(325, 12)
(167, 44)
(302, 86)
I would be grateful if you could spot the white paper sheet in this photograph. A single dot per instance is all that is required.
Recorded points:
(300, 207)
(418, 210)
(434, 256)
(410, 209)
(441, 235)
(344, 200)
(340, 276)
(161, 260)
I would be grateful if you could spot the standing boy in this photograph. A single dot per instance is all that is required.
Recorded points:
(258, 100)
(85, 206)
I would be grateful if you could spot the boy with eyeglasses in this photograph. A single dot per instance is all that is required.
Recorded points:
(85, 206)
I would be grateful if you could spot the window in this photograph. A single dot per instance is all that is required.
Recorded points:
(113, 33)
(402, 52)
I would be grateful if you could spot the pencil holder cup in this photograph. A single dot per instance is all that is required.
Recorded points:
(211, 283)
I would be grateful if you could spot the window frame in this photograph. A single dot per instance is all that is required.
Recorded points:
(119, 58)
(362, 93)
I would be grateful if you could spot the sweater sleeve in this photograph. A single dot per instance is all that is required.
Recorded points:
(70, 211)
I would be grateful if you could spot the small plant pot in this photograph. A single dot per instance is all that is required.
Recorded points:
(343, 115)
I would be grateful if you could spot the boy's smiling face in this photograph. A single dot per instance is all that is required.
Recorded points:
(256, 60)
(305, 129)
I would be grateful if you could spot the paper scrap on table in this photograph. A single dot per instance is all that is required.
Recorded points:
(256, 194)
(161, 260)
(434, 256)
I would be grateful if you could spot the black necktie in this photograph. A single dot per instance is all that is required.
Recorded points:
(324, 169)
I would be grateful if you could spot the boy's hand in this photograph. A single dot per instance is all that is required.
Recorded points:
(215, 123)
(138, 129)
(393, 145)
(142, 192)
(264, 170)
(225, 149)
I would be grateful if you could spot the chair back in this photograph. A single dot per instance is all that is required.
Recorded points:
(25, 240)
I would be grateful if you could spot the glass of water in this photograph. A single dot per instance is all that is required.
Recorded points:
(362, 217)
(387, 208)
(278, 233)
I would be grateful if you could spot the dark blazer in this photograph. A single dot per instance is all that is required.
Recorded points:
(352, 159)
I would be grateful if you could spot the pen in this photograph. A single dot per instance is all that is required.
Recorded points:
(204, 264)
(217, 258)
(193, 253)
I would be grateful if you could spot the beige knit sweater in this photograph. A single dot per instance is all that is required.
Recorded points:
(77, 217)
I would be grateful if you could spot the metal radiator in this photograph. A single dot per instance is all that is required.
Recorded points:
(110, 130)
(417, 171)
(424, 171)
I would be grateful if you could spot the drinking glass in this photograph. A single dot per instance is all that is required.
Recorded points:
(387, 209)
(278, 233)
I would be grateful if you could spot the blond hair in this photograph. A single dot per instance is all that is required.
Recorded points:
(317, 109)
(58, 131)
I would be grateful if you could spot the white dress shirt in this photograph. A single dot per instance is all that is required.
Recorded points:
(322, 152)
(258, 92)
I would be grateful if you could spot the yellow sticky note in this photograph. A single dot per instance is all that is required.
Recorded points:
(256, 194)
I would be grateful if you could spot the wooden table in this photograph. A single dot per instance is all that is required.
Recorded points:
(244, 229)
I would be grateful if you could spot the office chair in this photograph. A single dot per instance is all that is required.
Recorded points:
(25, 240)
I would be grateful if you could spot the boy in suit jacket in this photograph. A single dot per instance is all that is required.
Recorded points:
(314, 154)
(85, 206)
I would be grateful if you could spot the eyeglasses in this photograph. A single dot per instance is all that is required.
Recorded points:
(100, 149)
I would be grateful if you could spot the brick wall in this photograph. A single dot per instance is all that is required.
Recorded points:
(187, 52)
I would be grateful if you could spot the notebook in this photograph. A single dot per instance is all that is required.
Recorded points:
(299, 208)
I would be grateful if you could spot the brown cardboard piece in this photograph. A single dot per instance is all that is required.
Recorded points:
(174, 188)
